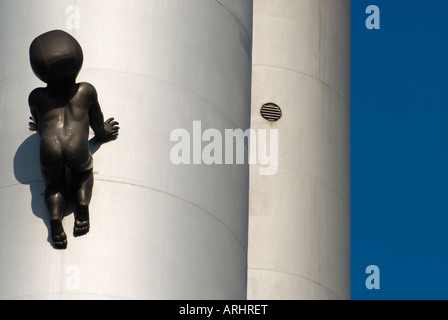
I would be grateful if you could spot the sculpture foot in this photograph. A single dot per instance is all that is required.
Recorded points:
(58, 235)
(82, 222)
(81, 228)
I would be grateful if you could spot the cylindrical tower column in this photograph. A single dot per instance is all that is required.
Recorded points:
(299, 218)
(158, 230)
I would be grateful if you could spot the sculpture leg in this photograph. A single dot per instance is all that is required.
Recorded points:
(83, 185)
(55, 202)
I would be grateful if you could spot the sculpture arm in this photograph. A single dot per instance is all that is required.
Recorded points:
(103, 129)
(34, 123)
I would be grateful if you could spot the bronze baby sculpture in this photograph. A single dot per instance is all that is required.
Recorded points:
(62, 113)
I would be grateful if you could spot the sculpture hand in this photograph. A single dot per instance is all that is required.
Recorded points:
(111, 127)
(33, 124)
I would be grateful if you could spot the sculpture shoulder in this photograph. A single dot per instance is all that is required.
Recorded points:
(36, 96)
(87, 90)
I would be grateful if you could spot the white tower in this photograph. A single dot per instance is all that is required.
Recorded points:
(158, 231)
(166, 231)
(299, 219)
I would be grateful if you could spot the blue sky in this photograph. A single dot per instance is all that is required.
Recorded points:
(400, 149)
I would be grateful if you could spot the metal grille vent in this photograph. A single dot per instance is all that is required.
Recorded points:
(271, 112)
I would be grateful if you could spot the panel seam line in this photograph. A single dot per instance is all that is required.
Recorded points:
(296, 276)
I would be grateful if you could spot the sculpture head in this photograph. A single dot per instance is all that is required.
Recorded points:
(56, 58)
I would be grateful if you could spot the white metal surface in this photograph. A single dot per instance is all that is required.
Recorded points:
(158, 231)
(299, 219)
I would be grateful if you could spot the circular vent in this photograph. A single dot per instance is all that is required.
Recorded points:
(271, 112)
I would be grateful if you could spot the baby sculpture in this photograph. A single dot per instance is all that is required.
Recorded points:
(62, 113)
